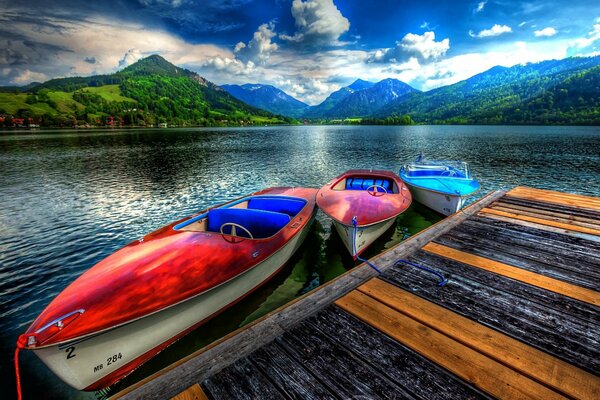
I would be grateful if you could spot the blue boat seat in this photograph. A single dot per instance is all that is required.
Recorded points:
(358, 183)
(290, 207)
(260, 223)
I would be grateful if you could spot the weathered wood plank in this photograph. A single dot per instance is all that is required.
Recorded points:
(558, 256)
(578, 244)
(409, 369)
(556, 197)
(550, 216)
(559, 375)
(211, 359)
(511, 234)
(585, 312)
(288, 375)
(472, 366)
(548, 222)
(523, 258)
(342, 372)
(194, 392)
(559, 334)
(241, 380)
(555, 285)
(542, 227)
(553, 207)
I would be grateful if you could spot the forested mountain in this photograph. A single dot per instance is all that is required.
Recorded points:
(334, 98)
(557, 91)
(151, 91)
(367, 101)
(268, 98)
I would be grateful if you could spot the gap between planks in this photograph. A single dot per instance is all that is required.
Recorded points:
(509, 271)
(498, 364)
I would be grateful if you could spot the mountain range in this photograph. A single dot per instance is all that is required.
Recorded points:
(556, 92)
(153, 91)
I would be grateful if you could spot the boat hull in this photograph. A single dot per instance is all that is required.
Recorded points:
(99, 360)
(443, 203)
(357, 241)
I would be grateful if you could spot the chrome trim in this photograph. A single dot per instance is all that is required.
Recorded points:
(58, 321)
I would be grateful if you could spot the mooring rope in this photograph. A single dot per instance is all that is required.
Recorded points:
(442, 281)
(20, 345)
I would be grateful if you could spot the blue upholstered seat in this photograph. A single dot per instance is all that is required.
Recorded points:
(358, 183)
(290, 207)
(260, 223)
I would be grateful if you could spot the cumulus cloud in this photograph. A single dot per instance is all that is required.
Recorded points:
(591, 38)
(260, 46)
(423, 48)
(480, 6)
(545, 32)
(495, 30)
(319, 22)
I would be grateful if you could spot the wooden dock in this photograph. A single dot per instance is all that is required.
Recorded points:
(518, 318)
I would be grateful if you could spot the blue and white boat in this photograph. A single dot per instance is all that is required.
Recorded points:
(439, 185)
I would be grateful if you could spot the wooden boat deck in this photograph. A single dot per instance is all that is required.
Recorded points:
(518, 318)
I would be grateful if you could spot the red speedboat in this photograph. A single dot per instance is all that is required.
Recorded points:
(142, 298)
(363, 205)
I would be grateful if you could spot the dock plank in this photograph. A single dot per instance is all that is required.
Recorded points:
(552, 207)
(413, 372)
(540, 366)
(578, 201)
(585, 312)
(560, 257)
(242, 381)
(289, 375)
(345, 374)
(555, 285)
(194, 392)
(472, 366)
(547, 215)
(560, 334)
(526, 259)
(542, 221)
(512, 234)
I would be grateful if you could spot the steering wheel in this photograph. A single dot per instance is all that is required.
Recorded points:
(231, 238)
(375, 192)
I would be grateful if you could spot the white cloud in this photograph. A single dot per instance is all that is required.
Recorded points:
(422, 47)
(480, 6)
(545, 32)
(592, 37)
(130, 57)
(27, 76)
(495, 30)
(319, 22)
(260, 47)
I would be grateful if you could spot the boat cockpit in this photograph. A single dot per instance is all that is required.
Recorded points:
(257, 217)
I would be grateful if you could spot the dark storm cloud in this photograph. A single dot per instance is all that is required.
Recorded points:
(90, 60)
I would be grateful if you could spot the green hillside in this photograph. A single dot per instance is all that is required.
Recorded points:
(149, 92)
(556, 91)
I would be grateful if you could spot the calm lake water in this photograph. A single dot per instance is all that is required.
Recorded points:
(70, 199)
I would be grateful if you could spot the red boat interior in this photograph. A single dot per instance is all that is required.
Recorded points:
(369, 183)
(256, 218)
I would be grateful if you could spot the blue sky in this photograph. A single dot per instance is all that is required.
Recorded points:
(308, 48)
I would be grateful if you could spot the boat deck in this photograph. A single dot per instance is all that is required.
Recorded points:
(518, 318)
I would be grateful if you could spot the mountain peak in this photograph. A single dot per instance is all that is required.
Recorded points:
(360, 84)
(155, 65)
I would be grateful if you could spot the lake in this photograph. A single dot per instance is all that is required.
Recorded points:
(70, 198)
